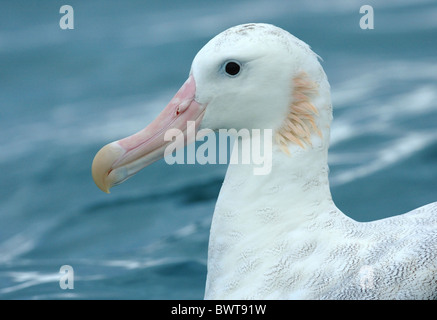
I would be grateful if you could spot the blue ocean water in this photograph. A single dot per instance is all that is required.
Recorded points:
(66, 93)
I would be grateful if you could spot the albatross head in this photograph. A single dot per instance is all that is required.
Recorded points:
(253, 76)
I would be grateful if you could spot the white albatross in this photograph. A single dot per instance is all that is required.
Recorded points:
(280, 235)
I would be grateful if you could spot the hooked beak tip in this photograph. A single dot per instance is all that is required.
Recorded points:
(102, 165)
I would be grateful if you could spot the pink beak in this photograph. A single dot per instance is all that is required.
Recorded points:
(119, 160)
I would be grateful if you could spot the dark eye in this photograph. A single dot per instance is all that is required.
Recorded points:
(232, 68)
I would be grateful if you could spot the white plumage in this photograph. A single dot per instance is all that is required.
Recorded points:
(280, 235)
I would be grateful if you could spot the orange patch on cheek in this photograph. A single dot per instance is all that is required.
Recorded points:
(300, 121)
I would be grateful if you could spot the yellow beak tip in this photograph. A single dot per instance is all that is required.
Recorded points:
(102, 165)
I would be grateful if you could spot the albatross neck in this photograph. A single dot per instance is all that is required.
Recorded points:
(258, 215)
(294, 192)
